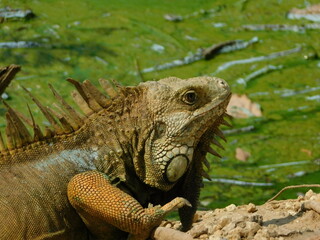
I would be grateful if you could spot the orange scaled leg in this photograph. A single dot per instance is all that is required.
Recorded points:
(102, 206)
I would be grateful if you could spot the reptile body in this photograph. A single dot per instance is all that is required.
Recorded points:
(94, 176)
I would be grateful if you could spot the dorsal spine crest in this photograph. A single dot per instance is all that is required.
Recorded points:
(65, 120)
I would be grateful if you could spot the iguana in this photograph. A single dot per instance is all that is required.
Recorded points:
(95, 176)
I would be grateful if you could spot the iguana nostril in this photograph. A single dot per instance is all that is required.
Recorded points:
(222, 83)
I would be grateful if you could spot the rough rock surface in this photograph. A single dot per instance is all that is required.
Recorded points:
(293, 219)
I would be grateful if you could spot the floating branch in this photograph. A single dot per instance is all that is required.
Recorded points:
(293, 187)
(19, 44)
(238, 182)
(207, 53)
(9, 13)
(179, 18)
(179, 62)
(290, 92)
(258, 73)
(284, 164)
(239, 130)
(313, 98)
(257, 59)
(227, 47)
(281, 27)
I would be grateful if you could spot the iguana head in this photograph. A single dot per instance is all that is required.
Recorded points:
(181, 112)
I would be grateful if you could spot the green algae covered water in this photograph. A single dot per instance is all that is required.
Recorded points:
(127, 40)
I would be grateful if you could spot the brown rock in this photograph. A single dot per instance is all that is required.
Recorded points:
(242, 155)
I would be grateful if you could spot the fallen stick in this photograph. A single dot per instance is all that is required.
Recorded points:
(226, 47)
(286, 164)
(207, 54)
(292, 187)
(179, 18)
(282, 27)
(238, 182)
(19, 44)
(258, 73)
(239, 130)
(256, 59)
(290, 92)
(9, 13)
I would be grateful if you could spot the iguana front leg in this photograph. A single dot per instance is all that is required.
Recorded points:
(100, 205)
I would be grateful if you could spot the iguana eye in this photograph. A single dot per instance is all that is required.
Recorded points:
(190, 97)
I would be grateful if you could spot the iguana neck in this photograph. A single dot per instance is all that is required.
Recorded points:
(118, 135)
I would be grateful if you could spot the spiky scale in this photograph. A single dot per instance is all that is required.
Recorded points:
(206, 163)
(46, 113)
(99, 97)
(74, 115)
(205, 175)
(225, 123)
(83, 105)
(227, 115)
(219, 133)
(92, 102)
(213, 152)
(215, 142)
(37, 134)
(24, 118)
(85, 94)
(2, 145)
(67, 117)
(48, 133)
(23, 132)
(106, 85)
(11, 134)
(79, 88)
(66, 126)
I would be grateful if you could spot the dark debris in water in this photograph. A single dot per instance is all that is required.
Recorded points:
(19, 44)
(8, 13)
(282, 27)
(204, 54)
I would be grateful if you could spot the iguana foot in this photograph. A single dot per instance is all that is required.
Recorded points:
(176, 203)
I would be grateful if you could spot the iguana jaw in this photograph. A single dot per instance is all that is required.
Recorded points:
(178, 127)
(175, 163)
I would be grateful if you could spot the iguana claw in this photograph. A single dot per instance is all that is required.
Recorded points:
(176, 203)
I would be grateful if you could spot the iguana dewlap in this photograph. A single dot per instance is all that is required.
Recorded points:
(94, 176)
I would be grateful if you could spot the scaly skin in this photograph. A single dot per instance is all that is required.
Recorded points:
(98, 202)
(95, 176)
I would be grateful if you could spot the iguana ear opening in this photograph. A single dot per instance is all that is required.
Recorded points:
(160, 130)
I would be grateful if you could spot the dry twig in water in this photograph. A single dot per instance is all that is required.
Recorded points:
(292, 187)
